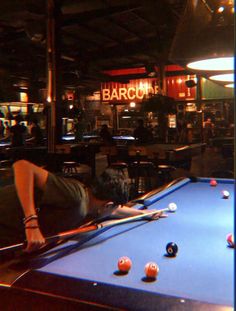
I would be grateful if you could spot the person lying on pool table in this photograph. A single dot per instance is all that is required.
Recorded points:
(40, 203)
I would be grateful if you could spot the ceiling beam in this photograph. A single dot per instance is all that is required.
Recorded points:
(85, 17)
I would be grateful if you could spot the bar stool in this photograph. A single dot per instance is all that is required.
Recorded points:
(82, 172)
(120, 167)
(6, 163)
(143, 177)
(111, 153)
(70, 167)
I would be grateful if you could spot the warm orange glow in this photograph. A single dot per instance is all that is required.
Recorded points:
(220, 9)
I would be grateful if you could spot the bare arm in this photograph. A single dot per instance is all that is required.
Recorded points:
(28, 175)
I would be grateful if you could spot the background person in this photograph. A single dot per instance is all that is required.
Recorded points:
(208, 130)
(18, 133)
(142, 134)
(36, 138)
(106, 135)
(7, 130)
(2, 129)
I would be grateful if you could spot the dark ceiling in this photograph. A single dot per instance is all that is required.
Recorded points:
(96, 35)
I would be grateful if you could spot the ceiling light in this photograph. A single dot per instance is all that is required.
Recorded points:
(203, 34)
(228, 77)
(231, 85)
(220, 9)
(211, 64)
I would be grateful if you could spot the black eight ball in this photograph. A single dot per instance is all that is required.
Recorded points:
(172, 249)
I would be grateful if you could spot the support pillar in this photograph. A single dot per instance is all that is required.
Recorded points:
(53, 75)
(162, 79)
(199, 102)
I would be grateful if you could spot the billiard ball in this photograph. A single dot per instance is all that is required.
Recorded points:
(213, 182)
(225, 194)
(230, 240)
(172, 207)
(124, 264)
(151, 270)
(172, 249)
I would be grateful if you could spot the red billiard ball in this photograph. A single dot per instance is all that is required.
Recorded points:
(213, 182)
(151, 270)
(225, 194)
(172, 249)
(124, 264)
(230, 240)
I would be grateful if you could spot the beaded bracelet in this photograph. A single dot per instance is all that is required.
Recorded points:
(31, 227)
(27, 219)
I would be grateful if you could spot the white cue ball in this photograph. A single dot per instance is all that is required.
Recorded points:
(172, 207)
(225, 193)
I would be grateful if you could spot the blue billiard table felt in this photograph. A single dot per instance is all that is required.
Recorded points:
(203, 268)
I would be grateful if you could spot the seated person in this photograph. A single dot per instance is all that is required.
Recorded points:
(41, 204)
(142, 134)
(106, 135)
(36, 134)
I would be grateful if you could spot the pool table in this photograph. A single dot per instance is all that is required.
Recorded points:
(87, 138)
(123, 140)
(82, 273)
(4, 144)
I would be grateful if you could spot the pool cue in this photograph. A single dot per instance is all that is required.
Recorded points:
(151, 193)
(71, 233)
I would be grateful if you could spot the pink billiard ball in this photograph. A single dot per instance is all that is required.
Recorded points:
(213, 182)
(230, 239)
(151, 270)
(225, 194)
(124, 264)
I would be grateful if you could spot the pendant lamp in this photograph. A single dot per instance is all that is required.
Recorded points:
(204, 40)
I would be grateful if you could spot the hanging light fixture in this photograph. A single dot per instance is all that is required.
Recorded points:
(204, 40)
(230, 85)
(226, 77)
(213, 64)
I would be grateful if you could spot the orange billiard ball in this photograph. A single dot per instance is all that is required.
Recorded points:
(124, 264)
(151, 270)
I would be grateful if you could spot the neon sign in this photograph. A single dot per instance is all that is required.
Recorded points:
(137, 90)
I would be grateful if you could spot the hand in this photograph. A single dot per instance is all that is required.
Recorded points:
(159, 214)
(35, 239)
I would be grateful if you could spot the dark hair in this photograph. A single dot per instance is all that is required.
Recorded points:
(35, 121)
(18, 118)
(112, 186)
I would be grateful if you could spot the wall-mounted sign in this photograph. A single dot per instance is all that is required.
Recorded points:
(177, 89)
(136, 90)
